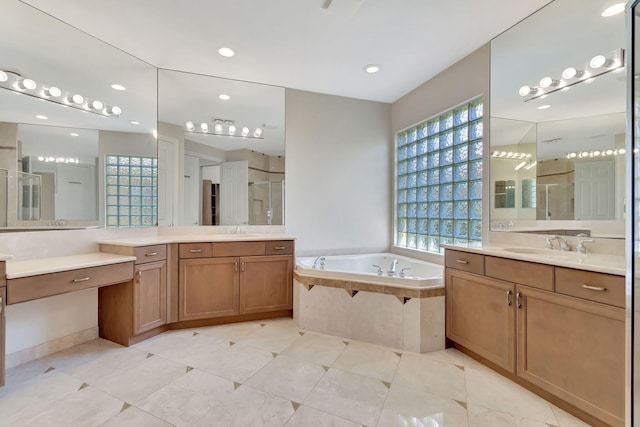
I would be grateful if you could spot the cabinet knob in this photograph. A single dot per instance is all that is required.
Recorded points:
(82, 279)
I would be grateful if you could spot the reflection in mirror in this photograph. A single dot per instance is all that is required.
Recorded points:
(572, 125)
(221, 151)
(505, 194)
(60, 118)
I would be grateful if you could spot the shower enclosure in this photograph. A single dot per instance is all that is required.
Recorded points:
(266, 203)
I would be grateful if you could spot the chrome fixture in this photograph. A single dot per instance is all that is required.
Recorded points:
(562, 243)
(548, 244)
(322, 259)
(379, 269)
(16, 83)
(402, 271)
(224, 127)
(581, 248)
(392, 268)
(598, 65)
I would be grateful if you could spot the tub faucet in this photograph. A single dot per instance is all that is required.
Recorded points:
(322, 259)
(392, 268)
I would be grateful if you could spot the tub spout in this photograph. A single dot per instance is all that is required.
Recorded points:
(320, 259)
(392, 268)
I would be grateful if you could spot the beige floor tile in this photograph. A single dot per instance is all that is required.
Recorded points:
(289, 378)
(105, 366)
(369, 360)
(30, 397)
(429, 375)
(171, 344)
(449, 355)
(409, 407)
(133, 385)
(565, 419)
(81, 354)
(187, 399)
(316, 348)
(134, 417)
(491, 390)
(484, 417)
(235, 332)
(273, 337)
(306, 417)
(25, 372)
(87, 407)
(351, 396)
(249, 407)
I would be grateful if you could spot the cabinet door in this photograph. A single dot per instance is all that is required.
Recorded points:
(3, 300)
(574, 349)
(266, 283)
(149, 296)
(481, 316)
(208, 288)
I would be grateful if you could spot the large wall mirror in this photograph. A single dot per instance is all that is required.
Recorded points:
(76, 128)
(224, 142)
(558, 121)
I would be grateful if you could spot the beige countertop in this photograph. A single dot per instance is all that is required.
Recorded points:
(5, 257)
(33, 267)
(602, 263)
(190, 238)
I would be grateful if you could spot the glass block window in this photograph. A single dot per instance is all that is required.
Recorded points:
(132, 191)
(439, 180)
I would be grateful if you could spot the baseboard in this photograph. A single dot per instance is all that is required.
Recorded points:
(50, 347)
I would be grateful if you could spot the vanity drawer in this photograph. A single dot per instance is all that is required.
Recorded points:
(150, 253)
(195, 250)
(592, 286)
(473, 263)
(521, 272)
(279, 247)
(45, 285)
(238, 248)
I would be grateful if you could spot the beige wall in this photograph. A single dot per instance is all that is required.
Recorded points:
(338, 172)
(463, 81)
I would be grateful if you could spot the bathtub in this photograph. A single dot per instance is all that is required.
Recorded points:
(359, 268)
(350, 300)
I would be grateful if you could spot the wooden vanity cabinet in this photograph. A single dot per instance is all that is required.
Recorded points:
(264, 283)
(3, 300)
(128, 310)
(551, 334)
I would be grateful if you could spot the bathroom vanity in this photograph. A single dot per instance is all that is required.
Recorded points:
(555, 324)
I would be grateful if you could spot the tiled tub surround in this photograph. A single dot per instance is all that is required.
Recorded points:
(398, 315)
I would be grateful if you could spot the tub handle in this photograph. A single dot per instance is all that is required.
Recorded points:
(379, 269)
(462, 261)
(402, 274)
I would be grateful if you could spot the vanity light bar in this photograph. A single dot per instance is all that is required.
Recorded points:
(598, 153)
(51, 159)
(18, 84)
(224, 128)
(596, 66)
(510, 155)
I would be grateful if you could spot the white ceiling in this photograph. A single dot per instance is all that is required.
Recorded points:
(298, 43)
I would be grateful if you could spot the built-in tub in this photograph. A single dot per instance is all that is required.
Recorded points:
(348, 298)
(420, 274)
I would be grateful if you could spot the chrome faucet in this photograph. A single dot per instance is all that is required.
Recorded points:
(392, 268)
(322, 259)
(562, 243)
(581, 248)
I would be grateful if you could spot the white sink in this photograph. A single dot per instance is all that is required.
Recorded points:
(547, 253)
(527, 251)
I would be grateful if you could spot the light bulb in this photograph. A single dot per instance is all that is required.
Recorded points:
(217, 128)
(96, 105)
(189, 126)
(204, 127)
(571, 72)
(622, 151)
(258, 132)
(3, 76)
(609, 152)
(598, 61)
(77, 99)
(53, 92)
(245, 131)
(26, 84)
(232, 130)
(525, 90)
(40, 158)
(113, 111)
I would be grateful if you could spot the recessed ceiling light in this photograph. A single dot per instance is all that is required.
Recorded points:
(74, 134)
(544, 107)
(224, 97)
(41, 117)
(372, 68)
(134, 122)
(118, 87)
(226, 52)
(613, 10)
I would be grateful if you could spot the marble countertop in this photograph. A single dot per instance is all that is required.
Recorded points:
(602, 263)
(190, 238)
(33, 267)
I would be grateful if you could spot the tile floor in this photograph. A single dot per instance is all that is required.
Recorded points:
(266, 373)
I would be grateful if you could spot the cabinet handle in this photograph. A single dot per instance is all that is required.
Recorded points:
(518, 296)
(236, 266)
(280, 248)
(593, 288)
(509, 298)
(462, 261)
(242, 266)
(83, 279)
(195, 251)
(1, 306)
(151, 254)
(139, 275)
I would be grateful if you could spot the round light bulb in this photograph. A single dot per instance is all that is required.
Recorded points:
(97, 105)
(204, 127)
(596, 153)
(609, 152)
(217, 128)
(622, 151)
(53, 92)
(232, 130)
(245, 131)
(40, 158)
(569, 73)
(548, 82)
(3, 76)
(78, 99)
(26, 84)
(598, 61)
(113, 111)
(189, 126)
(525, 90)
(258, 132)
